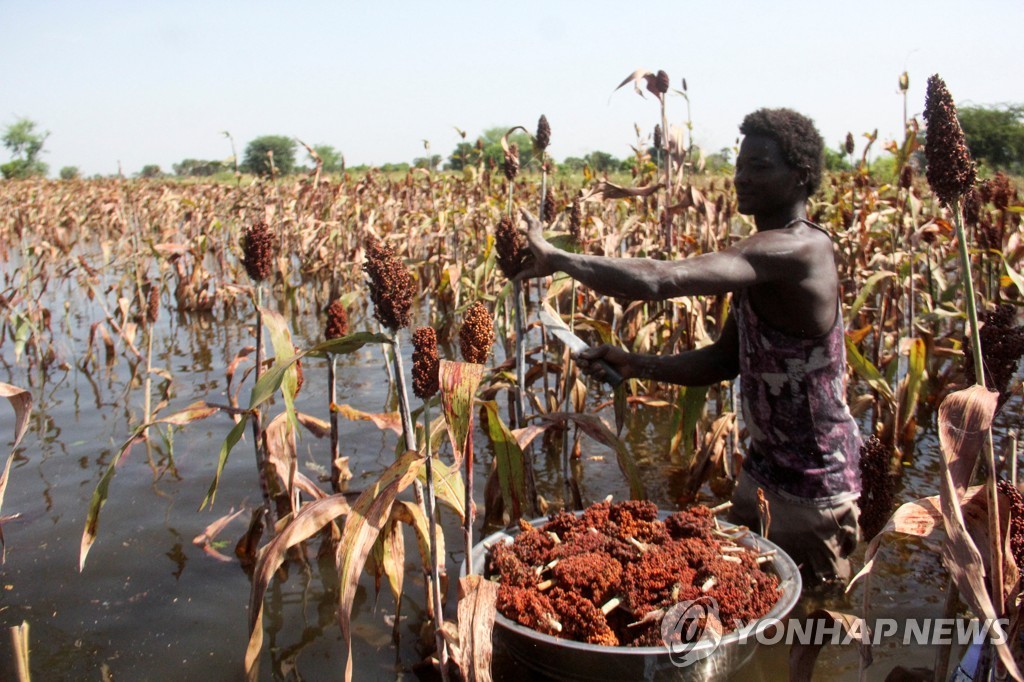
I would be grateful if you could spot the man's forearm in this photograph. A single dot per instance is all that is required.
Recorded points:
(700, 367)
(638, 279)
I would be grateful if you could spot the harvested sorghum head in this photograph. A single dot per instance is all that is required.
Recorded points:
(690, 523)
(256, 251)
(581, 619)
(527, 607)
(337, 320)
(593, 575)
(425, 363)
(950, 172)
(390, 285)
(477, 334)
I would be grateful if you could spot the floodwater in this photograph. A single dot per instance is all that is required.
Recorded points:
(150, 604)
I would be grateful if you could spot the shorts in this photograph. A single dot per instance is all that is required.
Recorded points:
(819, 539)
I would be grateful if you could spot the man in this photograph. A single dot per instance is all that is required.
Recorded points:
(784, 338)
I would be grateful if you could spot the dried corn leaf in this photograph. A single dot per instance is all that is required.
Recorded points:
(308, 522)
(208, 536)
(459, 381)
(964, 420)
(391, 421)
(477, 607)
(363, 524)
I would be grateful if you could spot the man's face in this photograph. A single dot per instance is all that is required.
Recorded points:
(764, 181)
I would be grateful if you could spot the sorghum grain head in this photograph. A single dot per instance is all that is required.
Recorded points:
(511, 247)
(153, 304)
(576, 219)
(848, 145)
(543, 138)
(904, 82)
(951, 172)
(390, 285)
(256, 251)
(512, 162)
(337, 320)
(1002, 346)
(477, 334)
(878, 486)
(657, 136)
(425, 363)
(907, 176)
(1016, 520)
(661, 82)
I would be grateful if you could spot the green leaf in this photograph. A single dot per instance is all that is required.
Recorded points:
(284, 351)
(510, 462)
(271, 380)
(915, 376)
(691, 403)
(194, 412)
(867, 289)
(868, 372)
(234, 435)
(448, 486)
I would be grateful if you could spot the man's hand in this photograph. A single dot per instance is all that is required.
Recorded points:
(594, 362)
(541, 250)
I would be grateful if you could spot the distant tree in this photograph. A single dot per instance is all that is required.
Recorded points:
(602, 162)
(333, 160)
(394, 167)
(720, 161)
(465, 154)
(25, 144)
(70, 173)
(151, 171)
(197, 168)
(574, 163)
(836, 160)
(258, 162)
(433, 162)
(995, 135)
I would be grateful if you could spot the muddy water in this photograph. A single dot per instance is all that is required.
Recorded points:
(150, 604)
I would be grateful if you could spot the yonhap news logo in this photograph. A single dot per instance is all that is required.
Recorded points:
(691, 631)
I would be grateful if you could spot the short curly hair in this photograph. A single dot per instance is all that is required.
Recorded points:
(797, 137)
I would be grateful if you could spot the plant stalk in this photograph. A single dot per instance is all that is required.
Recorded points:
(257, 415)
(332, 399)
(435, 573)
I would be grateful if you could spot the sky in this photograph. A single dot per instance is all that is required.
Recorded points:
(120, 85)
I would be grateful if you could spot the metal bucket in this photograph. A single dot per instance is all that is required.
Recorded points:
(563, 659)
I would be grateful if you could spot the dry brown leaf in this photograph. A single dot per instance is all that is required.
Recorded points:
(306, 523)
(204, 539)
(477, 607)
(964, 420)
(391, 421)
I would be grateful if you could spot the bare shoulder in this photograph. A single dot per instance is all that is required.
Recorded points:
(798, 249)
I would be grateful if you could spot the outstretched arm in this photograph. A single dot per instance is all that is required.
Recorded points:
(762, 257)
(719, 361)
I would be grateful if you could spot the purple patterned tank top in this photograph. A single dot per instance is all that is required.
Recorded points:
(804, 443)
